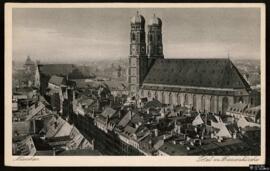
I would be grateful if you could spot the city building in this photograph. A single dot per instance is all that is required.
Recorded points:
(207, 85)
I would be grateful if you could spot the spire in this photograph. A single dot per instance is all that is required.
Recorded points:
(137, 13)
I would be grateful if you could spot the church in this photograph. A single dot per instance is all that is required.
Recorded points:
(206, 85)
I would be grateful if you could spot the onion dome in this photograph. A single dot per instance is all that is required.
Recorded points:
(138, 19)
(155, 21)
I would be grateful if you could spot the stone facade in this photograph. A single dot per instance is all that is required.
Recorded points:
(199, 102)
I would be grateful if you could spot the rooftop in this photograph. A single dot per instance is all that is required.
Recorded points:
(215, 73)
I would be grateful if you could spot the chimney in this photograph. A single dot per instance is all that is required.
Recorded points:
(93, 144)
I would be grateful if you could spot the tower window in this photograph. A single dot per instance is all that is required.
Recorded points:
(150, 38)
(133, 37)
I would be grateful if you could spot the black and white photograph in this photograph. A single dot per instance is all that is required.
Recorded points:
(135, 80)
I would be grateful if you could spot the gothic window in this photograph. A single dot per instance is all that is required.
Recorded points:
(170, 98)
(163, 97)
(149, 94)
(133, 37)
(143, 37)
(194, 101)
(179, 99)
(186, 100)
(150, 38)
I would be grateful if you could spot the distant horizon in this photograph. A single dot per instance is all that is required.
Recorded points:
(122, 59)
(71, 35)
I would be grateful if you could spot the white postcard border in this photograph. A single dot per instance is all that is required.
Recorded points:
(125, 160)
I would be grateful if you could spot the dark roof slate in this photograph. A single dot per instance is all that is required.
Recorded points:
(216, 73)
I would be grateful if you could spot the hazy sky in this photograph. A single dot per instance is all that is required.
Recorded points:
(67, 35)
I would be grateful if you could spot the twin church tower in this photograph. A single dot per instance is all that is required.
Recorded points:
(142, 55)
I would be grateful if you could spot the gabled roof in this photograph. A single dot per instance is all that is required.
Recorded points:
(214, 73)
(27, 147)
(56, 80)
(36, 110)
(125, 120)
(108, 112)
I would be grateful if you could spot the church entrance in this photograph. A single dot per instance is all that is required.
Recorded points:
(224, 105)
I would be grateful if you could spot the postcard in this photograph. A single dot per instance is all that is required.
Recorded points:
(134, 84)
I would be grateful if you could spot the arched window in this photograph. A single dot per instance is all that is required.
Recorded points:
(224, 104)
(212, 104)
(149, 94)
(203, 103)
(194, 101)
(163, 97)
(155, 95)
(133, 37)
(186, 99)
(178, 99)
(170, 98)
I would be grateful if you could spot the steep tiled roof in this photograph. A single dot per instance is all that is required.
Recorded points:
(36, 110)
(216, 73)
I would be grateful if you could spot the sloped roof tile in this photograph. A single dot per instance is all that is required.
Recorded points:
(215, 73)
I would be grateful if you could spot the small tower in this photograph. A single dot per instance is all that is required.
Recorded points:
(137, 57)
(29, 65)
(154, 41)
